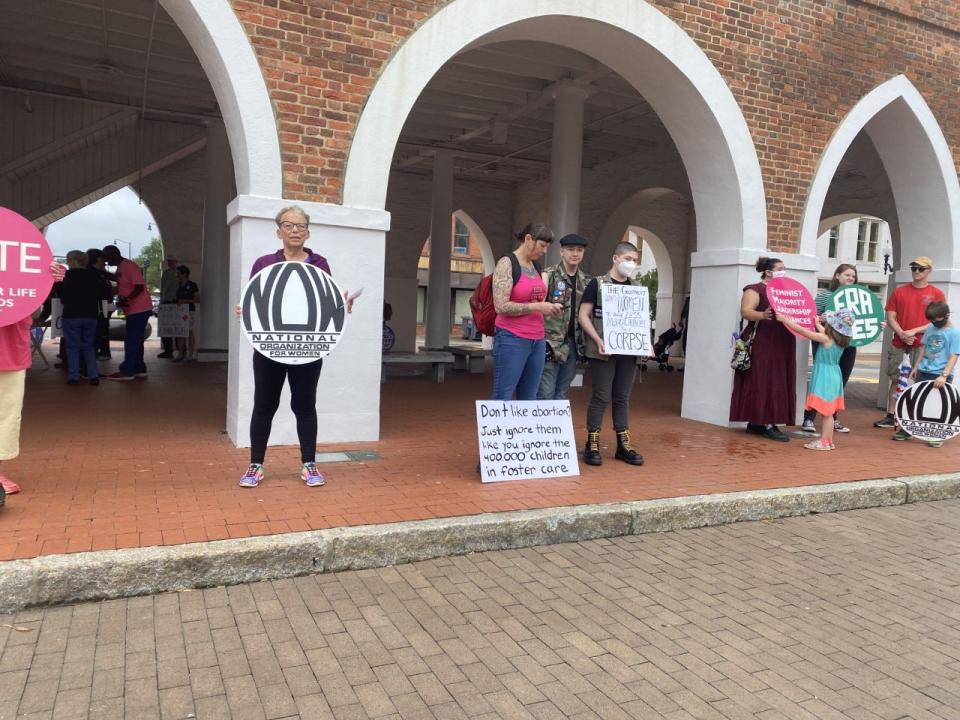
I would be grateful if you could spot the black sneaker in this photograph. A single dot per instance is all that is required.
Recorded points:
(772, 432)
(886, 421)
(756, 429)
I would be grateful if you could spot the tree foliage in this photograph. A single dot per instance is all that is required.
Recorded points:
(150, 260)
(650, 280)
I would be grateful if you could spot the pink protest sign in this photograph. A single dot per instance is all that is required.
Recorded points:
(788, 297)
(25, 258)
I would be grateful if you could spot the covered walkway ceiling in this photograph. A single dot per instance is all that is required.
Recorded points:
(494, 106)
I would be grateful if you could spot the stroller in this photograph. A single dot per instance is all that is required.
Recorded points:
(661, 349)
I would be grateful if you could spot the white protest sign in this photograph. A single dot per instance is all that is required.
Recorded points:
(173, 321)
(928, 412)
(56, 318)
(526, 439)
(626, 319)
(293, 312)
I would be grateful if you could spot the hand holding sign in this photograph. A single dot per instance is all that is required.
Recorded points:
(26, 268)
(791, 299)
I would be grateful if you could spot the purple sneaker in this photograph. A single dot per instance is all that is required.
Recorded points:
(253, 475)
(312, 476)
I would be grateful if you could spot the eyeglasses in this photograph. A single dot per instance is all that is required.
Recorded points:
(288, 226)
(918, 268)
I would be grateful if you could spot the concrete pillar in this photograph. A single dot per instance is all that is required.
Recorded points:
(348, 396)
(566, 161)
(441, 238)
(717, 280)
(215, 308)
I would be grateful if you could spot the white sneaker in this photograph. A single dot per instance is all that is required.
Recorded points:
(809, 428)
(837, 427)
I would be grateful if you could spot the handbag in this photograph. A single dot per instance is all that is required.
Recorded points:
(742, 350)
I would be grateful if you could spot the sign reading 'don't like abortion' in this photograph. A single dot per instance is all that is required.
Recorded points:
(293, 312)
(866, 308)
(626, 319)
(25, 258)
(525, 439)
(791, 298)
(929, 413)
(173, 321)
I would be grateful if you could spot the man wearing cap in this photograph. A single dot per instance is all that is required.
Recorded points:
(565, 283)
(906, 309)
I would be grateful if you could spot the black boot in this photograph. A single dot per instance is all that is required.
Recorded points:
(624, 451)
(591, 451)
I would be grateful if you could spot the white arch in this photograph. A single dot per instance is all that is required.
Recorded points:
(918, 163)
(661, 257)
(631, 37)
(829, 222)
(221, 44)
(486, 252)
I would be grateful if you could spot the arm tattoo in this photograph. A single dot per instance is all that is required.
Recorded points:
(502, 287)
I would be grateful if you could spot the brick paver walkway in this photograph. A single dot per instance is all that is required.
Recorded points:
(146, 463)
(852, 615)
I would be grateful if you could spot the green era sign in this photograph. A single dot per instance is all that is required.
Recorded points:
(867, 312)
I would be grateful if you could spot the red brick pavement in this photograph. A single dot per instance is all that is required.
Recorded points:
(147, 462)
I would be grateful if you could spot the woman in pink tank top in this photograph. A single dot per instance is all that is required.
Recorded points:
(519, 349)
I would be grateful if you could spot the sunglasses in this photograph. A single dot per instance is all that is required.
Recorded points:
(918, 268)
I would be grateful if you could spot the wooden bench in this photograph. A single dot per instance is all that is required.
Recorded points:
(465, 357)
(437, 359)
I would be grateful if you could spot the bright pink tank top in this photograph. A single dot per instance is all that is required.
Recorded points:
(530, 326)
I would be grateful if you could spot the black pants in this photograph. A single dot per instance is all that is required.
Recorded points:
(848, 359)
(268, 378)
(103, 336)
(612, 380)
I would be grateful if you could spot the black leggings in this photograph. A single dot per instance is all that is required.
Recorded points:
(268, 377)
(612, 379)
(848, 359)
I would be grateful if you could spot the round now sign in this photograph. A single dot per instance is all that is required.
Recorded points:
(25, 258)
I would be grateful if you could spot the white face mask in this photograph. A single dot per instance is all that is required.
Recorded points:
(778, 273)
(627, 267)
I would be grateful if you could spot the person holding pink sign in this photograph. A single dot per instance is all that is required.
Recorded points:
(825, 394)
(765, 395)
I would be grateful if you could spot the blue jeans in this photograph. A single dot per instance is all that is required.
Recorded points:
(557, 376)
(517, 366)
(81, 335)
(133, 344)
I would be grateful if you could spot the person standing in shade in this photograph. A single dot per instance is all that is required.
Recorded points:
(134, 300)
(81, 293)
(566, 283)
(844, 275)
(519, 297)
(269, 375)
(612, 376)
(188, 297)
(906, 309)
(96, 263)
(169, 284)
(766, 394)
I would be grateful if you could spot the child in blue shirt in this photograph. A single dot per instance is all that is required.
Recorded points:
(941, 349)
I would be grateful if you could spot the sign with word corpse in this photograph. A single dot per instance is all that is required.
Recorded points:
(928, 412)
(866, 308)
(25, 259)
(525, 439)
(792, 299)
(626, 319)
(293, 312)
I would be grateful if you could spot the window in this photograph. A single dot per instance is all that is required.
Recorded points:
(862, 231)
(461, 239)
(834, 241)
(874, 242)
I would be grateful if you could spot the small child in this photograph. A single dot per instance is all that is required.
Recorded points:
(941, 348)
(826, 383)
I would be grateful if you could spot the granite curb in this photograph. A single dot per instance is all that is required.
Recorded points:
(58, 579)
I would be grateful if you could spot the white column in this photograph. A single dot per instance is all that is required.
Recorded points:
(348, 396)
(566, 160)
(441, 237)
(214, 310)
(717, 281)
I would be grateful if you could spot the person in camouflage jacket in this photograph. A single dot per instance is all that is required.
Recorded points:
(565, 284)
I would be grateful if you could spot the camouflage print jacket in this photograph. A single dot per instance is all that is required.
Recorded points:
(559, 291)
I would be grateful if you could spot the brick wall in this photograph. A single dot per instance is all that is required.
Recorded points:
(795, 67)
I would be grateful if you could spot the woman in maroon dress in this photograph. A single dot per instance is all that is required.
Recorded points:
(765, 395)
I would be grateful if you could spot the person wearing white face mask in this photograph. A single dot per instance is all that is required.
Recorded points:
(612, 376)
(766, 394)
